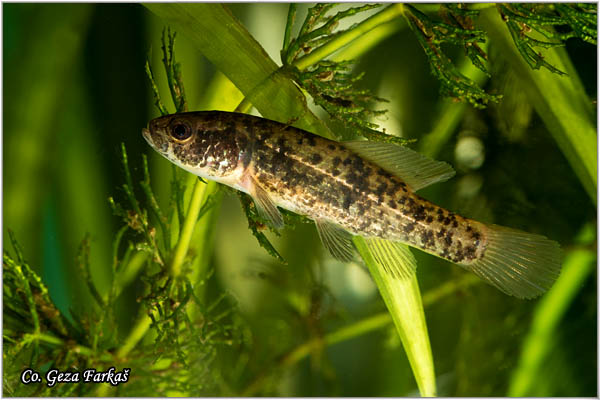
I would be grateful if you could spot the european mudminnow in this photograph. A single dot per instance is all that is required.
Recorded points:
(351, 188)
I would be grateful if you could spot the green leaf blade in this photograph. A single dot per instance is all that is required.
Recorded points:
(403, 300)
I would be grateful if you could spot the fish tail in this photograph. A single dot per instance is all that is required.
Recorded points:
(520, 264)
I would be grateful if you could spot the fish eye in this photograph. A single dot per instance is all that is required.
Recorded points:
(180, 130)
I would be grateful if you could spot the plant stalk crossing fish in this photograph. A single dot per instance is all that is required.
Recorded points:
(352, 188)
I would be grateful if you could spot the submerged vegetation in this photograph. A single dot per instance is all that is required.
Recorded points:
(164, 279)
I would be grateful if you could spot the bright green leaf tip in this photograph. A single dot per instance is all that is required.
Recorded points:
(403, 300)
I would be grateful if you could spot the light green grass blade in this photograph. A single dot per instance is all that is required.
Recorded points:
(560, 101)
(403, 300)
(578, 265)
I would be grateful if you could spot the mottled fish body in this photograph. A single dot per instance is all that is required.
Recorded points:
(351, 188)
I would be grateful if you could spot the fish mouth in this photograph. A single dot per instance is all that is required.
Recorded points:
(146, 135)
(164, 147)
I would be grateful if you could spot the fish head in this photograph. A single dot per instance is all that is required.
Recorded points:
(199, 142)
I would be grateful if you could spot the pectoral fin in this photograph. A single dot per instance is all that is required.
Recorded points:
(264, 205)
(413, 168)
(395, 258)
(336, 240)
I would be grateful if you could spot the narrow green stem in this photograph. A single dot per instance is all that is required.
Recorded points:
(55, 341)
(538, 343)
(369, 40)
(30, 300)
(129, 272)
(348, 332)
(356, 329)
(204, 231)
(188, 228)
(143, 324)
(300, 352)
(382, 17)
(136, 334)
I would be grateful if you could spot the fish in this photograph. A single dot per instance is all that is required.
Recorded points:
(352, 188)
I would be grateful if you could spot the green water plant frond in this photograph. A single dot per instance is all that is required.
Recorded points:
(186, 328)
(458, 26)
(556, 22)
(180, 357)
(331, 84)
(456, 29)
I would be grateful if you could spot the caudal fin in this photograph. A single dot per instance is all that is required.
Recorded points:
(520, 264)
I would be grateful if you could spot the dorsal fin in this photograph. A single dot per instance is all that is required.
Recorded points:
(413, 168)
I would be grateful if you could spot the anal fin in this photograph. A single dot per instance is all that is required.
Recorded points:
(395, 258)
(336, 240)
(417, 170)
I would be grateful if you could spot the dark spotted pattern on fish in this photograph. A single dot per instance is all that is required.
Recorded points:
(324, 180)
(360, 196)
